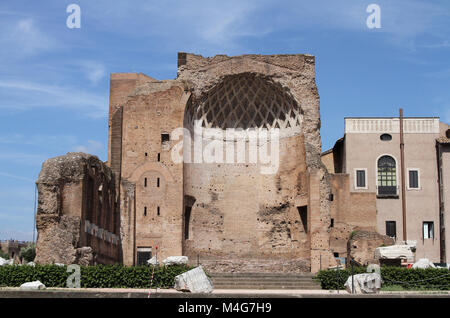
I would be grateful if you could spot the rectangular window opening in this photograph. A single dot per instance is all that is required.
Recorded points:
(90, 199)
(157, 182)
(360, 178)
(159, 157)
(145, 211)
(187, 219)
(391, 229)
(413, 179)
(145, 182)
(157, 211)
(428, 230)
(303, 212)
(143, 255)
(165, 138)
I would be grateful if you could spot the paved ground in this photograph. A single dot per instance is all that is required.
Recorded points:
(219, 293)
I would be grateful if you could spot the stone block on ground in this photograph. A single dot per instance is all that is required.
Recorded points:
(400, 251)
(175, 260)
(194, 281)
(36, 285)
(6, 261)
(369, 283)
(85, 256)
(423, 263)
(153, 261)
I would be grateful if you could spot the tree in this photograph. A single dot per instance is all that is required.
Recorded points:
(28, 253)
(4, 255)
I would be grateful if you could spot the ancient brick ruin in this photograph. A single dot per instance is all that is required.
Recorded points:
(230, 217)
(77, 216)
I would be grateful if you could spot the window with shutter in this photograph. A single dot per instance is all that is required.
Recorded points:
(391, 229)
(360, 178)
(143, 255)
(413, 179)
(428, 230)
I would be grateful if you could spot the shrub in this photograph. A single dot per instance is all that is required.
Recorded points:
(28, 253)
(100, 276)
(352, 234)
(430, 278)
(335, 279)
(4, 255)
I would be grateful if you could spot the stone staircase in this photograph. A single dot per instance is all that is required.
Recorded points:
(264, 281)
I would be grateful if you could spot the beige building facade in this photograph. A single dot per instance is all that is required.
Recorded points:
(370, 154)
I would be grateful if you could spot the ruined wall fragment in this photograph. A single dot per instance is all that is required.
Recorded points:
(77, 217)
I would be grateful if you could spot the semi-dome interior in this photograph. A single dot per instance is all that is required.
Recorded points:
(245, 101)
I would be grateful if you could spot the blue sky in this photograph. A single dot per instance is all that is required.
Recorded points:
(54, 80)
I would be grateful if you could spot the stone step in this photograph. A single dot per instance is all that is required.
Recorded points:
(293, 286)
(264, 281)
(266, 287)
(281, 275)
(247, 282)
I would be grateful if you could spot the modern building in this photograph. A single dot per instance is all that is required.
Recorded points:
(370, 154)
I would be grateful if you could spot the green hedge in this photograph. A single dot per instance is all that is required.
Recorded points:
(4, 255)
(335, 279)
(430, 278)
(100, 276)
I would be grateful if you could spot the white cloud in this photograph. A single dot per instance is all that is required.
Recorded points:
(195, 25)
(440, 45)
(6, 234)
(23, 95)
(42, 141)
(214, 25)
(22, 38)
(8, 175)
(23, 158)
(92, 147)
(94, 71)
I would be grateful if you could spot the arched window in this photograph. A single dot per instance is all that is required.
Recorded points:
(387, 176)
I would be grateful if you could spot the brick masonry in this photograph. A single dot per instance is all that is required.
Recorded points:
(224, 225)
(230, 217)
